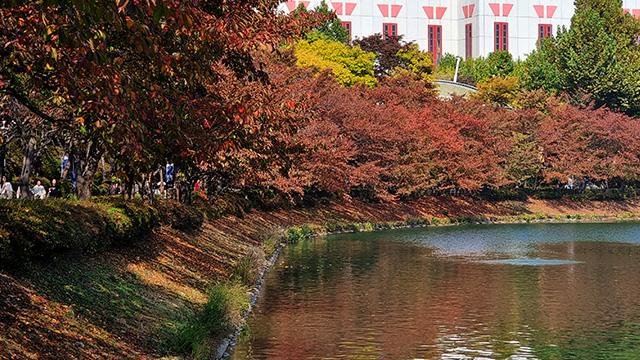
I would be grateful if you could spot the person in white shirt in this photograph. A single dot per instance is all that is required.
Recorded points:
(38, 191)
(6, 192)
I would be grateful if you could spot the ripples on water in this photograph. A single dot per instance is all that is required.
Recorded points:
(534, 291)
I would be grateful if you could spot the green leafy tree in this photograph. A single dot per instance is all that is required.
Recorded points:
(598, 56)
(498, 63)
(447, 64)
(350, 65)
(332, 30)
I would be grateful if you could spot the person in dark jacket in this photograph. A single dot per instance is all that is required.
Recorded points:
(54, 190)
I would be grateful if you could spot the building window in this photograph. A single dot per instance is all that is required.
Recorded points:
(389, 29)
(435, 43)
(468, 35)
(347, 25)
(544, 31)
(502, 36)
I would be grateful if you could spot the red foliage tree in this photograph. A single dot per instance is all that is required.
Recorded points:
(144, 80)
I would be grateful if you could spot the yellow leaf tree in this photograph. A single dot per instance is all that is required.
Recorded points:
(350, 65)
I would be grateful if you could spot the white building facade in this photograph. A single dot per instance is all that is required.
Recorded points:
(460, 27)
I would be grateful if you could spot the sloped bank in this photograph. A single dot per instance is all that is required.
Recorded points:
(131, 302)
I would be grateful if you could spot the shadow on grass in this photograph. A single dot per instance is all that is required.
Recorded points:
(111, 298)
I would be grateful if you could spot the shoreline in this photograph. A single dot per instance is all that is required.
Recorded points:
(127, 303)
(228, 343)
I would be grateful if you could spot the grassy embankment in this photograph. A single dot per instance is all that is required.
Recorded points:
(153, 293)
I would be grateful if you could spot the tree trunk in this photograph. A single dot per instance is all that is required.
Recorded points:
(146, 190)
(87, 160)
(104, 169)
(27, 166)
(128, 184)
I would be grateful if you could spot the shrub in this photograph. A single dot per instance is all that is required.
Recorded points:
(41, 228)
(231, 203)
(464, 220)
(305, 230)
(293, 234)
(411, 221)
(368, 226)
(332, 227)
(179, 216)
(353, 227)
(502, 194)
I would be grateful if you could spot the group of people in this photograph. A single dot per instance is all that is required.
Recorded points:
(38, 191)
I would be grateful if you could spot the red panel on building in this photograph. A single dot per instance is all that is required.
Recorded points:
(349, 8)
(395, 9)
(306, 4)
(429, 11)
(337, 6)
(551, 9)
(636, 13)
(539, 10)
(506, 9)
(495, 7)
(291, 5)
(440, 12)
(384, 9)
(465, 10)
(471, 7)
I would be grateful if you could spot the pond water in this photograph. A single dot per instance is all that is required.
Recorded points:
(521, 291)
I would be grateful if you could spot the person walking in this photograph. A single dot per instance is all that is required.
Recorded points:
(6, 192)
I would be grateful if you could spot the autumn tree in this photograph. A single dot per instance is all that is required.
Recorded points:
(386, 49)
(140, 80)
(350, 65)
(415, 62)
(35, 136)
(453, 146)
(498, 90)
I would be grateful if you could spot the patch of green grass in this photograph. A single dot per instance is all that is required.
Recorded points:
(107, 296)
(271, 240)
(247, 270)
(626, 215)
(224, 309)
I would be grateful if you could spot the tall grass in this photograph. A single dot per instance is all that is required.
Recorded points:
(224, 309)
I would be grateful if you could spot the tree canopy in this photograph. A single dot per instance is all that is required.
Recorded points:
(350, 65)
(144, 80)
(605, 66)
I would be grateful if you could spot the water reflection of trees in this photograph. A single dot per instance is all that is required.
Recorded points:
(365, 299)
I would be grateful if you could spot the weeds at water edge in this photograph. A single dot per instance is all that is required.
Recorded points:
(198, 336)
